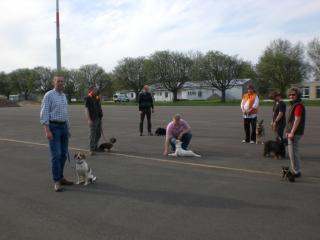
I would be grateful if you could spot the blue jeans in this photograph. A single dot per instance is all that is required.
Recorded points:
(58, 149)
(186, 138)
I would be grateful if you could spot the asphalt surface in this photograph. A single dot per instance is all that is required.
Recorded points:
(232, 192)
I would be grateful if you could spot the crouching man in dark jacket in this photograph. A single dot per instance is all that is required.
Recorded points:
(145, 108)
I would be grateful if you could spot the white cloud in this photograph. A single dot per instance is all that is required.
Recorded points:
(104, 31)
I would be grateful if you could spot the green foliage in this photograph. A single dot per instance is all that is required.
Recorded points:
(94, 75)
(222, 71)
(6, 87)
(131, 74)
(45, 77)
(24, 81)
(281, 65)
(171, 70)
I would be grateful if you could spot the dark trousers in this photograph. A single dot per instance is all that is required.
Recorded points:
(280, 131)
(250, 127)
(58, 149)
(95, 134)
(186, 138)
(145, 112)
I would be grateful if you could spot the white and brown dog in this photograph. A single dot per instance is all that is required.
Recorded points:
(260, 133)
(84, 172)
(180, 152)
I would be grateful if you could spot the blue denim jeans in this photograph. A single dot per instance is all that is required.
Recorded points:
(186, 138)
(58, 149)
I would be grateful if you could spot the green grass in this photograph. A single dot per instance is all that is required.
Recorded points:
(183, 103)
(201, 103)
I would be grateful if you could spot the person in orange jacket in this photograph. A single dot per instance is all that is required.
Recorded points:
(249, 107)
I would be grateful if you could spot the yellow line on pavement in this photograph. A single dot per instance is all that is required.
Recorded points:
(200, 165)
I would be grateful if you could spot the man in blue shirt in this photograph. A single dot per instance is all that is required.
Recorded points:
(55, 120)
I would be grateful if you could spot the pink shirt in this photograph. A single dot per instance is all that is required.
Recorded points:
(174, 131)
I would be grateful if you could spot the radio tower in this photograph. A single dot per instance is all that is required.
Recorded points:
(58, 39)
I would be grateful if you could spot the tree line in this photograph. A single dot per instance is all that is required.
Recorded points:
(281, 64)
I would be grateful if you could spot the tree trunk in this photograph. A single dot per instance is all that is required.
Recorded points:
(137, 95)
(175, 95)
(26, 96)
(223, 95)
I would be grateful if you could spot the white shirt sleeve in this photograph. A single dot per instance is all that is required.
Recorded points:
(241, 105)
(256, 102)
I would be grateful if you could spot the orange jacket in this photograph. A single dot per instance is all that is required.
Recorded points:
(251, 98)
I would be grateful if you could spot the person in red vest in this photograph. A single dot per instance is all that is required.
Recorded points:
(295, 129)
(249, 107)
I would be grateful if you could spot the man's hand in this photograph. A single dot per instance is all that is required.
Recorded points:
(273, 125)
(49, 135)
(152, 110)
(89, 122)
(290, 135)
(165, 153)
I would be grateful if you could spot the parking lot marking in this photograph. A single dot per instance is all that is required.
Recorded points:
(200, 165)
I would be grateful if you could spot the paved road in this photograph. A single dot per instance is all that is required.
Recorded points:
(151, 197)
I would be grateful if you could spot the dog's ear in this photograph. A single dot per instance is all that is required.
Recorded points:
(261, 122)
(83, 155)
(75, 155)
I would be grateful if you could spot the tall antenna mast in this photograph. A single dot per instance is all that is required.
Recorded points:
(58, 43)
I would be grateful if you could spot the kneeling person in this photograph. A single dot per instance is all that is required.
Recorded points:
(177, 129)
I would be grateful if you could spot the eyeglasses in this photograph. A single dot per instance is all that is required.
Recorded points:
(290, 95)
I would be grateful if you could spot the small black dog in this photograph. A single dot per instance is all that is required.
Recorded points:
(275, 148)
(107, 145)
(160, 132)
(287, 175)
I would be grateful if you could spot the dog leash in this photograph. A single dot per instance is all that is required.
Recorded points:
(68, 157)
(104, 138)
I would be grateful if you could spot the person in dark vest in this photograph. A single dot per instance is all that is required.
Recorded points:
(295, 129)
(94, 116)
(278, 122)
(145, 108)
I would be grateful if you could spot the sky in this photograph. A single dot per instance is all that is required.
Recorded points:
(105, 31)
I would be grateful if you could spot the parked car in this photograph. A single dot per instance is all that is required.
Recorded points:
(120, 98)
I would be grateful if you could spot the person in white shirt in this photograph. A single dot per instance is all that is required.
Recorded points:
(249, 107)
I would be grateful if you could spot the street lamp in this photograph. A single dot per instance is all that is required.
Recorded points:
(58, 38)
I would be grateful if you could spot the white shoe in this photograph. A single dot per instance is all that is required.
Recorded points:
(244, 141)
(252, 142)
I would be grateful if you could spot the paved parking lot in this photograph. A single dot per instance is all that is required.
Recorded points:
(232, 192)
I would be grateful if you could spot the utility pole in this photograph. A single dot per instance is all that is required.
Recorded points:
(58, 39)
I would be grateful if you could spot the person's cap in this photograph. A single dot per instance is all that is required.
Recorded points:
(274, 94)
(250, 86)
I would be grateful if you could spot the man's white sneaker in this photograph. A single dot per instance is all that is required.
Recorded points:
(252, 142)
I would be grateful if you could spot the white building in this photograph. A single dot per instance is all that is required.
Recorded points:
(201, 90)
(310, 90)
